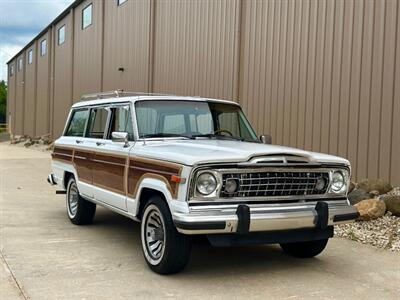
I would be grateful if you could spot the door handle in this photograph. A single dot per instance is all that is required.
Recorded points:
(100, 144)
(78, 141)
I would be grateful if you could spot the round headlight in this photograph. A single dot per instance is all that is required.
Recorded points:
(231, 186)
(338, 181)
(206, 183)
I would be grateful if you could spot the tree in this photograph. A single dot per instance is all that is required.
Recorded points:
(3, 101)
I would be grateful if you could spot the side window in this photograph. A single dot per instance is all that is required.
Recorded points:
(43, 47)
(121, 121)
(87, 16)
(97, 123)
(77, 124)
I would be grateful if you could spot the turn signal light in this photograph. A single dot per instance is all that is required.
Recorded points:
(177, 179)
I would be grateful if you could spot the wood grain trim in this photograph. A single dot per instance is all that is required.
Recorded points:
(63, 154)
(141, 168)
(136, 169)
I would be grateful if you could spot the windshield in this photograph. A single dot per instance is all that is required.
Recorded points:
(192, 119)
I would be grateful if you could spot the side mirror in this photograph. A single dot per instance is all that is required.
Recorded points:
(266, 139)
(120, 137)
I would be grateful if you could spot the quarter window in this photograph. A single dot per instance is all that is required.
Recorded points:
(97, 123)
(43, 48)
(120, 2)
(30, 56)
(19, 64)
(87, 16)
(61, 35)
(77, 124)
(121, 121)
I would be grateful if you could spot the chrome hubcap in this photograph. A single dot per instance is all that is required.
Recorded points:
(73, 197)
(154, 234)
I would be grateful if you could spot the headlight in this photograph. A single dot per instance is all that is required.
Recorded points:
(206, 183)
(339, 182)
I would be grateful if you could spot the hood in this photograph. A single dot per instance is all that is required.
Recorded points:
(193, 152)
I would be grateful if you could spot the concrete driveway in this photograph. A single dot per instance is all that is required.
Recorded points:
(44, 256)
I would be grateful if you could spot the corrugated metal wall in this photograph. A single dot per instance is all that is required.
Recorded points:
(30, 90)
(194, 47)
(321, 75)
(126, 45)
(63, 64)
(88, 51)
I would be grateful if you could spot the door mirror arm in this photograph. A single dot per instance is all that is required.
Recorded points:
(120, 137)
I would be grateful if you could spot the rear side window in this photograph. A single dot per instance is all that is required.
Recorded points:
(77, 124)
(97, 123)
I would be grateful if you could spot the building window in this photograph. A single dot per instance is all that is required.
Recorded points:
(87, 16)
(61, 35)
(43, 47)
(30, 56)
(11, 70)
(19, 64)
(120, 2)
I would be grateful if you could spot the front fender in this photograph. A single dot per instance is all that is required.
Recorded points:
(159, 186)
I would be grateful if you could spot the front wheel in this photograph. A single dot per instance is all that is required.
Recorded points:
(166, 251)
(305, 249)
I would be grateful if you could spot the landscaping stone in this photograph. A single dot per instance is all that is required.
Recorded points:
(392, 203)
(379, 185)
(371, 209)
(357, 195)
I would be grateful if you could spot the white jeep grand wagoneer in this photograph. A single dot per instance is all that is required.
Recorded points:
(186, 166)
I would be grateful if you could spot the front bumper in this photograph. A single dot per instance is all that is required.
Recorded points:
(244, 219)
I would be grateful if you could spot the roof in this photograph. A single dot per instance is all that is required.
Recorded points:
(56, 20)
(146, 98)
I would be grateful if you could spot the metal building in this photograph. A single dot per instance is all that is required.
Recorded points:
(322, 75)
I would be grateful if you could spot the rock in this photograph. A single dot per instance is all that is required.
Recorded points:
(352, 186)
(394, 192)
(379, 185)
(357, 195)
(371, 209)
(392, 203)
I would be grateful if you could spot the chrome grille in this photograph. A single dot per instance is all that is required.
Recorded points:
(263, 184)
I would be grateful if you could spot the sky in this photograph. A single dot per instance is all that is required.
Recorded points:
(21, 21)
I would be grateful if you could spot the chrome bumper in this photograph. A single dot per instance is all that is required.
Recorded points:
(262, 218)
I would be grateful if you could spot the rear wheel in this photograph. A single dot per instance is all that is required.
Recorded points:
(305, 249)
(79, 210)
(166, 251)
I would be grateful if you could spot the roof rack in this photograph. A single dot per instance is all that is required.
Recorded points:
(118, 93)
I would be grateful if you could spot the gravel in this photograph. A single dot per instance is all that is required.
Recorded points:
(381, 233)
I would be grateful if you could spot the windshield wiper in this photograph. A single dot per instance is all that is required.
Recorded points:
(218, 136)
(162, 134)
